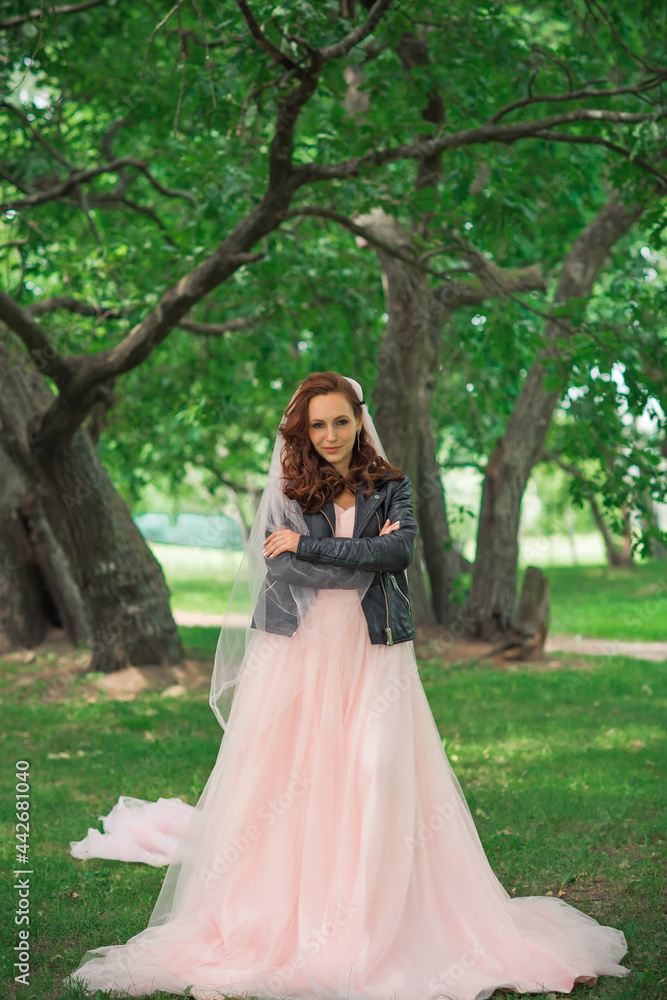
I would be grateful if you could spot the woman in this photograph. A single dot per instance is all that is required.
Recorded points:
(332, 854)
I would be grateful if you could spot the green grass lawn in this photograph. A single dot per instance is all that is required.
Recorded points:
(601, 602)
(563, 770)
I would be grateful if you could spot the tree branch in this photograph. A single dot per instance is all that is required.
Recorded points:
(619, 38)
(316, 211)
(218, 329)
(81, 176)
(341, 48)
(520, 279)
(492, 278)
(599, 141)
(35, 339)
(647, 84)
(264, 42)
(56, 302)
(552, 456)
(14, 243)
(495, 281)
(38, 13)
(468, 137)
(28, 125)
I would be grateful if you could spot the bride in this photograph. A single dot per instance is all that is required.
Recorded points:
(332, 853)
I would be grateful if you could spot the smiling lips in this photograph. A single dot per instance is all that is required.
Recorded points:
(332, 449)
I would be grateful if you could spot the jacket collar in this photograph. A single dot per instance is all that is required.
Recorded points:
(363, 508)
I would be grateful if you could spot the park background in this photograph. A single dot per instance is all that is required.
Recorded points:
(462, 206)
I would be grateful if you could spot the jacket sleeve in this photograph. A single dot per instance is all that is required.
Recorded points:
(285, 567)
(392, 552)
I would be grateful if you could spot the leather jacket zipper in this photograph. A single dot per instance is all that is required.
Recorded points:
(387, 630)
(393, 580)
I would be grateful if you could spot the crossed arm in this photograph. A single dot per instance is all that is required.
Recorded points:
(286, 567)
(393, 551)
(334, 563)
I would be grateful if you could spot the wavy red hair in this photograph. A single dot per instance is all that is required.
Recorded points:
(310, 479)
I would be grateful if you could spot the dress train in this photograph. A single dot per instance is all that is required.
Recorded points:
(336, 856)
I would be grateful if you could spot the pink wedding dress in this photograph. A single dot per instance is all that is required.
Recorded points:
(336, 857)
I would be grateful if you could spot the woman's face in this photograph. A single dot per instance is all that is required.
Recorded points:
(332, 428)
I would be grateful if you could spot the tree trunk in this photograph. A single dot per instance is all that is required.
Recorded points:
(625, 555)
(525, 640)
(613, 556)
(442, 560)
(492, 597)
(408, 364)
(399, 398)
(70, 553)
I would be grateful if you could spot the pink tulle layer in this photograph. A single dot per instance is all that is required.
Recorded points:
(334, 855)
(137, 830)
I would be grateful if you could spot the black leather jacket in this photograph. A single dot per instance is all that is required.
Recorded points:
(386, 603)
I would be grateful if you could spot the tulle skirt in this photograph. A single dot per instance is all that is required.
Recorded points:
(332, 853)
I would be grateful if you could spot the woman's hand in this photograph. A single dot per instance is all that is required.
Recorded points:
(388, 528)
(287, 542)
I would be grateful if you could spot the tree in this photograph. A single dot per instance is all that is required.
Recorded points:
(280, 127)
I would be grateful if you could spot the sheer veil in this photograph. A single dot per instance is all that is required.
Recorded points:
(277, 596)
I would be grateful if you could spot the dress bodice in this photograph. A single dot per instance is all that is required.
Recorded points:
(344, 521)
